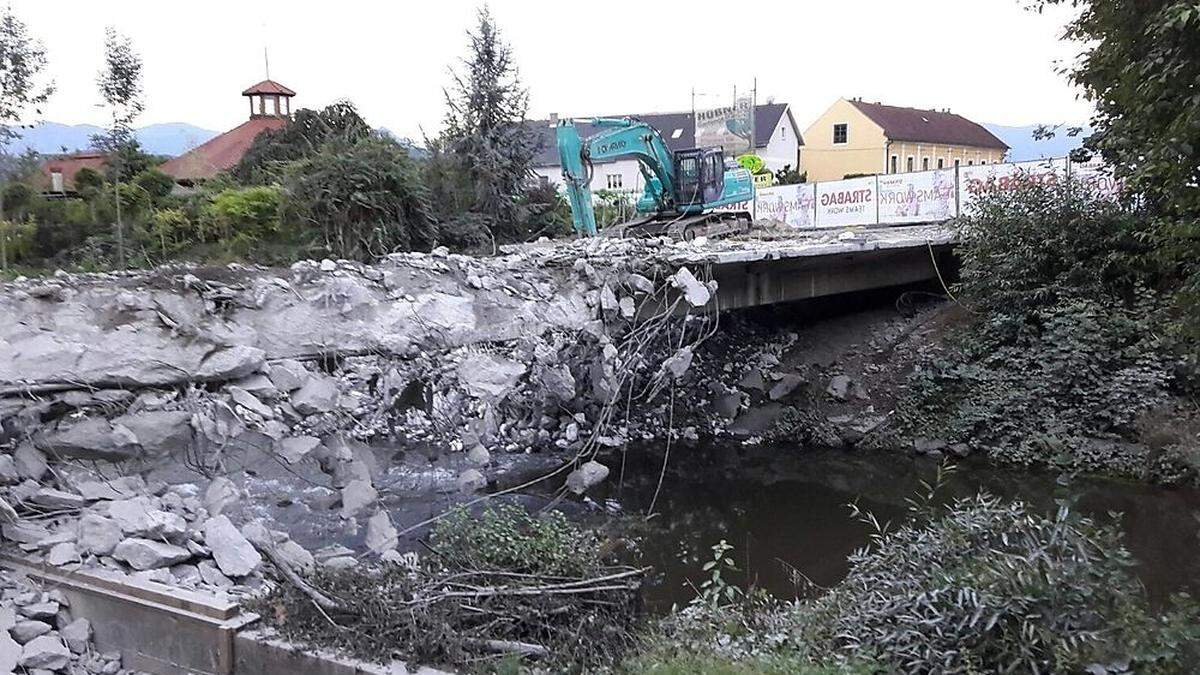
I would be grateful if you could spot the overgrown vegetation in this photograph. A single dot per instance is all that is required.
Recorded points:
(1064, 350)
(495, 587)
(981, 586)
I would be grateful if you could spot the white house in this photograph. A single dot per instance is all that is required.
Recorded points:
(776, 139)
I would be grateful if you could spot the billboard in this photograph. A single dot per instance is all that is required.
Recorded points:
(1099, 179)
(975, 179)
(730, 128)
(846, 202)
(919, 197)
(792, 205)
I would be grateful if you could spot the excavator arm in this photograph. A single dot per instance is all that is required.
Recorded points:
(619, 138)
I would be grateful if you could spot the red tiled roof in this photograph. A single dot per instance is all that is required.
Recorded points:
(68, 166)
(221, 153)
(928, 126)
(268, 87)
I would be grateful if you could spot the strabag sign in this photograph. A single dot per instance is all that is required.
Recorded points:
(846, 202)
(917, 197)
(972, 180)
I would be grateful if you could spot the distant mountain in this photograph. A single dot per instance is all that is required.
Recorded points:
(157, 139)
(1025, 147)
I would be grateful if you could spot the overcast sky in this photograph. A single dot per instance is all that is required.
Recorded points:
(989, 60)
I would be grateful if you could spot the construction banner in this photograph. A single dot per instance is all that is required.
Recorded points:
(973, 180)
(792, 205)
(846, 202)
(919, 197)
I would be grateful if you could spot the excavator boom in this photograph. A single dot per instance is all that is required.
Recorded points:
(682, 188)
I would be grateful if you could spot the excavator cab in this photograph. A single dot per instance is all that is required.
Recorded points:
(700, 177)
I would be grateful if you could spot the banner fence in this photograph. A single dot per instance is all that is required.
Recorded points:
(915, 197)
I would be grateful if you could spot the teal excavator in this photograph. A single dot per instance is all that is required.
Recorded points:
(684, 188)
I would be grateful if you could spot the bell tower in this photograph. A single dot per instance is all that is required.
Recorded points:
(269, 99)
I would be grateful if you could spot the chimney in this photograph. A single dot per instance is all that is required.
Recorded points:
(553, 119)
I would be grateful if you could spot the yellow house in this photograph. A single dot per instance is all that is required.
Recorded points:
(854, 137)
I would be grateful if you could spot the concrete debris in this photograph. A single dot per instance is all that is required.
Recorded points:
(356, 496)
(77, 635)
(296, 448)
(317, 395)
(586, 476)
(46, 652)
(91, 438)
(160, 432)
(288, 375)
(839, 387)
(8, 470)
(123, 487)
(678, 363)
(488, 376)
(381, 534)
(479, 456)
(212, 576)
(786, 384)
(63, 553)
(25, 631)
(250, 402)
(141, 517)
(146, 554)
(30, 462)
(10, 653)
(221, 493)
(57, 499)
(98, 535)
(694, 292)
(234, 555)
(471, 481)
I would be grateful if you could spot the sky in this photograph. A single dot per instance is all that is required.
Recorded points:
(989, 60)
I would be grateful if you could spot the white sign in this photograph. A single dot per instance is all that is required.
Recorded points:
(922, 197)
(846, 202)
(973, 180)
(792, 205)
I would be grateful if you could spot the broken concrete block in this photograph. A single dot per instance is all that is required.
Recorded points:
(123, 487)
(233, 553)
(30, 462)
(91, 438)
(10, 653)
(77, 635)
(46, 652)
(160, 432)
(145, 554)
(230, 363)
(57, 499)
(589, 474)
(259, 385)
(785, 386)
(8, 471)
(488, 376)
(25, 631)
(318, 395)
(40, 610)
(640, 283)
(694, 292)
(357, 495)
(471, 480)
(62, 554)
(381, 534)
(140, 517)
(213, 576)
(479, 456)
(221, 493)
(98, 535)
(24, 532)
(288, 375)
(250, 402)
(839, 387)
(628, 307)
(297, 448)
(678, 363)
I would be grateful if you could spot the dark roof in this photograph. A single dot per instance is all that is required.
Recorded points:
(766, 118)
(220, 153)
(928, 126)
(268, 87)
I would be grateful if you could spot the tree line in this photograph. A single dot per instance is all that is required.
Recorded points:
(324, 184)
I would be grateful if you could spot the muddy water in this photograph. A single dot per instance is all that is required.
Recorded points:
(784, 511)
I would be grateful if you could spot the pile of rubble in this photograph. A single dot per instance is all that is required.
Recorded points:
(39, 635)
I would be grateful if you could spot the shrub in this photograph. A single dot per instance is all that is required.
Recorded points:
(156, 184)
(244, 214)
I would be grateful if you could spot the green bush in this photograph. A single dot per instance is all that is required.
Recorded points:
(156, 183)
(508, 538)
(244, 214)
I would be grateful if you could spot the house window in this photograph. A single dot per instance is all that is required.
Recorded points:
(56, 181)
(895, 164)
(909, 164)
(783, 133)
(956, 162)
(924, 163)
(941, 163)
(983, 161)
(614, 181)
(970, 162)
(839, 133)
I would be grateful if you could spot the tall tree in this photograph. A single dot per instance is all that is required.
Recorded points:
(22, 88)
(1140, 65)
(484, 132)
(120, 83)
(273, 151)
